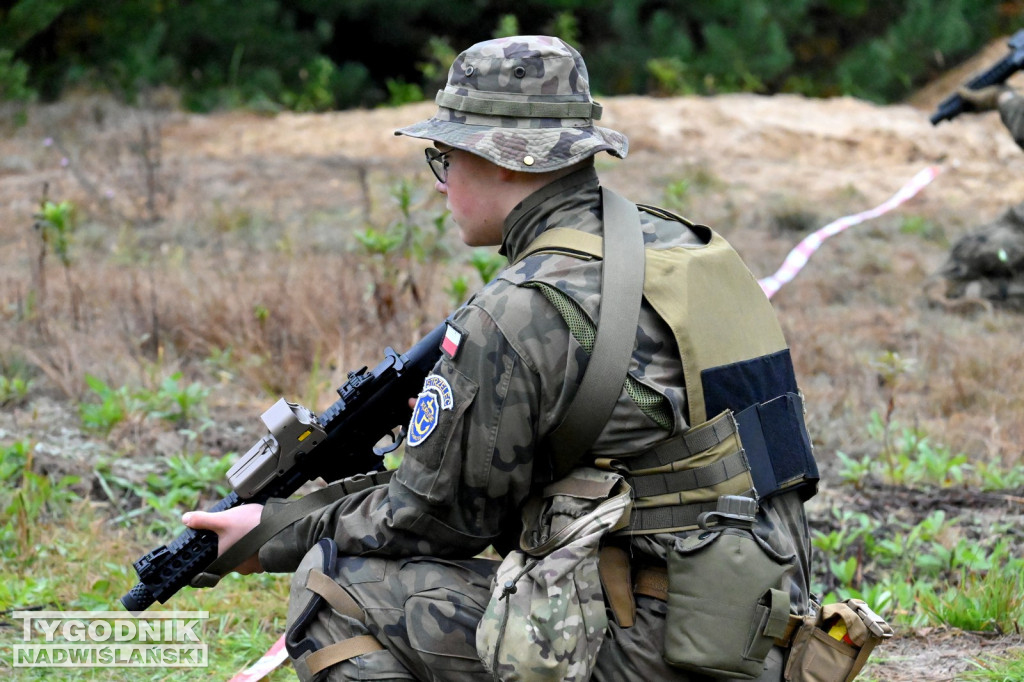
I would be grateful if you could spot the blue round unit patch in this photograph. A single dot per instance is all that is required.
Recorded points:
(435, 397)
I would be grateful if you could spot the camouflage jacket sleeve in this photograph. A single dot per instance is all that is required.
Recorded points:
(1012, 113)
(468, 463)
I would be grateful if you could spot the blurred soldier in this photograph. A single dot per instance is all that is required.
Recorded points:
(1006, 100)
(988, 262)
(388, 581)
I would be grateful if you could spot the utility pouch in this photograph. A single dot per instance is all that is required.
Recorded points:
(727, 600)
(546, 618)
(834, 644)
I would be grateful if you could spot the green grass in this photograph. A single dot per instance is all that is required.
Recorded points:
(59, 568)
(61, 552)
(1008, 668)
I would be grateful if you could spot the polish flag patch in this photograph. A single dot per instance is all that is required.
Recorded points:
(452, 341)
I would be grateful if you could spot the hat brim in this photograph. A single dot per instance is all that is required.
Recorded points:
(531, 150)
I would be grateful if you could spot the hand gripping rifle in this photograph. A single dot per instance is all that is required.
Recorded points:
(300, 447)
(954, 105)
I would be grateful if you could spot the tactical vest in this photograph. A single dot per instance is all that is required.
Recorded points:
(747, 434)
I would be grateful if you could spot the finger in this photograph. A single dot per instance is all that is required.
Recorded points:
(201, 520)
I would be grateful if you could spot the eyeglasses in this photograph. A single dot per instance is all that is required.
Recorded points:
(438, 164)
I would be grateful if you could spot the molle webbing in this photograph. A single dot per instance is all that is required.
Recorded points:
(666, 519)
(650, 402)
(674, 483)
(685, 480)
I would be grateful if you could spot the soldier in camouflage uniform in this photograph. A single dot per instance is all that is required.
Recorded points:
(407, 550)
(988, 262)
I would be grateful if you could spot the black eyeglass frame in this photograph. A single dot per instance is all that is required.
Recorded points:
(438, 164)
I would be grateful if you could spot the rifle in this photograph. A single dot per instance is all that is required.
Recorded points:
(340, 443)
(954, 105)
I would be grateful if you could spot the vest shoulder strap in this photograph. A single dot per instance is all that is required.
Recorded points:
(622, 284)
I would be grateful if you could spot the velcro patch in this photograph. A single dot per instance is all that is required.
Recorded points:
(452, 341)
(435, 397)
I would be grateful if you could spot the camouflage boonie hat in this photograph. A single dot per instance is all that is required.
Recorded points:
(523, 103)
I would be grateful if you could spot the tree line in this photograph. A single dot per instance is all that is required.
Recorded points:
(316, 55)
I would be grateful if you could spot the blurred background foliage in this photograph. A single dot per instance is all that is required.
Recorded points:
(316, 55)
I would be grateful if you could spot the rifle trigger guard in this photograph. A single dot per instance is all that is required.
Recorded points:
(396, 440)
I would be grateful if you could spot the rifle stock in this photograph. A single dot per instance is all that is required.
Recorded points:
(954, 105)
(300, 447)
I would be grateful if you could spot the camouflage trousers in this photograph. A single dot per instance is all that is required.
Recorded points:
(425, 611)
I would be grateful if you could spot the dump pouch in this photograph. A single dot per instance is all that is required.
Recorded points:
(834, 644)
(546, 618)
(727, 600)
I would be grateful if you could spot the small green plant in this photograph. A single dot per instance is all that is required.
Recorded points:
(13, 390)
(910, 458)
(181, 484)
(112, 408)
(378, 242)
(172, 401)
(677, 195)
(27, 498)
(987, 601)
(919, 226)
(487, 263)
(12, 460)
(316, 92)
(458, 289)
(905, 570)
(403, 251)
(55, 223)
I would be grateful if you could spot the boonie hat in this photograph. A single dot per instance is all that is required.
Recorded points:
(523, 103)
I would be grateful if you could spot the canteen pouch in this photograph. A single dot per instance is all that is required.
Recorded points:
(727, 600)
(546, 618)
(834, 644)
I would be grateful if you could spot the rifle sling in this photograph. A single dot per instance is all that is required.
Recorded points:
(622, 284)
(251, 543)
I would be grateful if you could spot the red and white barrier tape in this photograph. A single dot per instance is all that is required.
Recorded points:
(798, 257)
(266, 665)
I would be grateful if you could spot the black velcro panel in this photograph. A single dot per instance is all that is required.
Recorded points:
(763, 395)
(782, 421)
(742, 384)
(777, 446)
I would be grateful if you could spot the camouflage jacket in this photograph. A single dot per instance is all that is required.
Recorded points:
(470, 467)
(1012, 113)
(511, 381)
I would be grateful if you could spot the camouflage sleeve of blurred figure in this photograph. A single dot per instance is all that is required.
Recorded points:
(1012, 112)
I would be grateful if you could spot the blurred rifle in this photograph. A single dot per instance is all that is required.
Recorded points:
(339, 444)
(954, 105)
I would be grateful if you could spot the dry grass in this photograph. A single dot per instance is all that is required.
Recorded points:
(256, 256)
